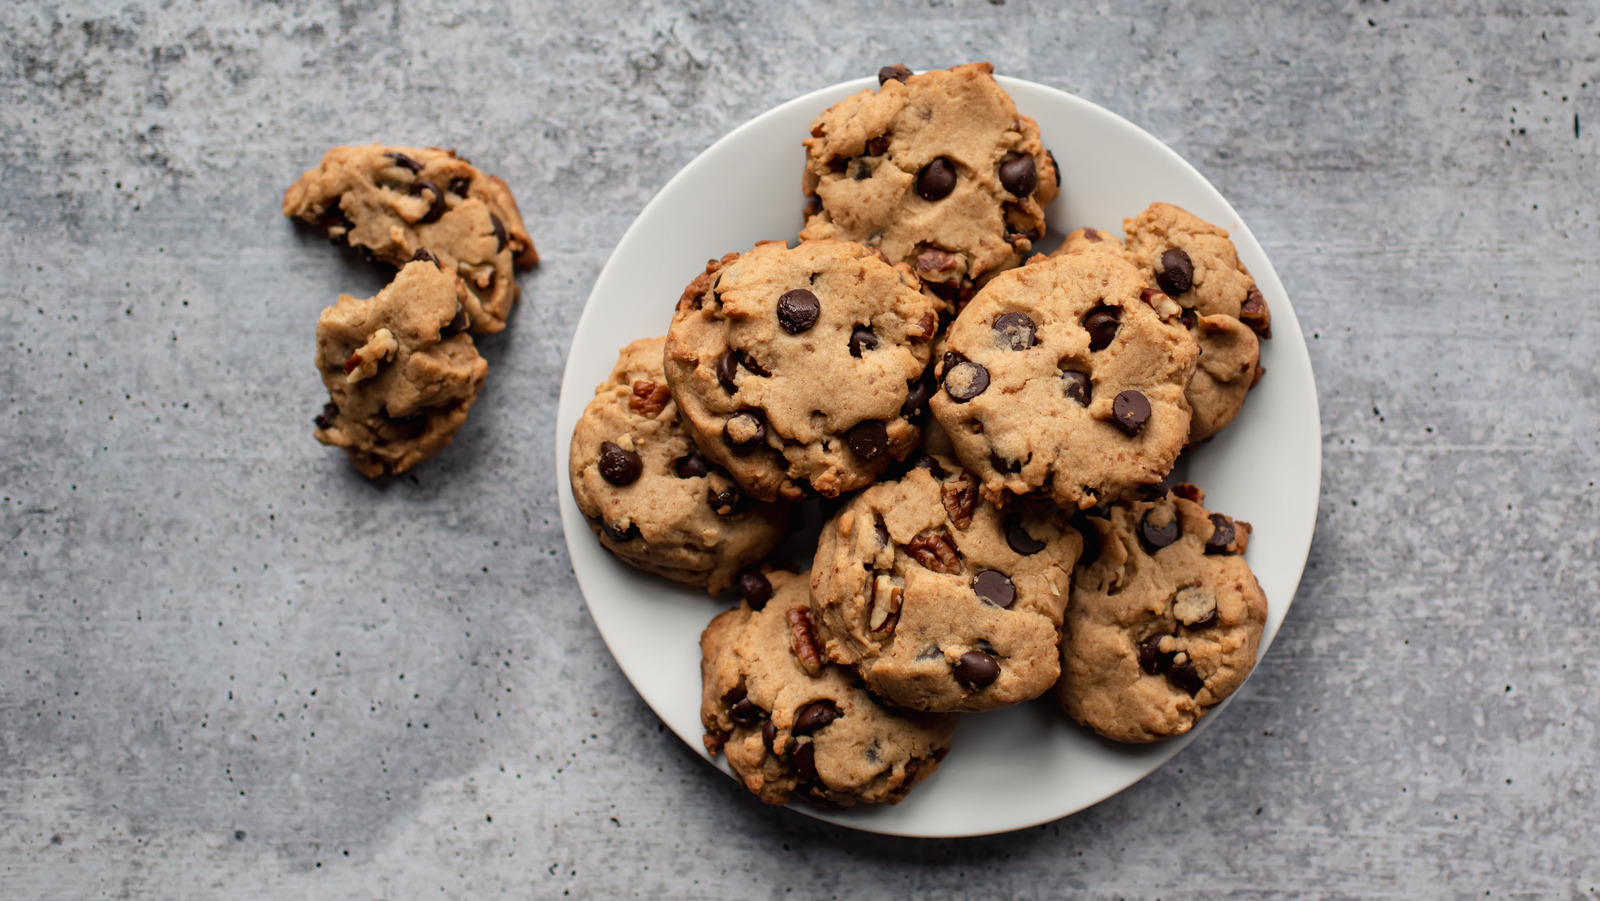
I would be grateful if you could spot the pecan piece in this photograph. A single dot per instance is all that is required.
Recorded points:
(805, 646)
(935, 551)
(887, 592)
(935, 260)
(649, 398)
(364, 362)
(960, 499)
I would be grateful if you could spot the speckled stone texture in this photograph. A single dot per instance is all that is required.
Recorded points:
(229, 666)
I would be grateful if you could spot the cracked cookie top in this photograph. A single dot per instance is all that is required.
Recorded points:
(798, 369)
(399, 204)
(940, 600)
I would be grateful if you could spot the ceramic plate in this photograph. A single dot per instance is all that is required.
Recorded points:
(1007, 769)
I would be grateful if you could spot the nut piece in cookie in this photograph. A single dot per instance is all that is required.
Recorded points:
(1067, 377)
(1165, 619)
(938, 599)
(791, 730)
(399, 204)
(796, 369)
(401, 371)
(649, 494)
(937, 170)
(1194, 263)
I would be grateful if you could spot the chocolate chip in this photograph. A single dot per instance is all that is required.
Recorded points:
(813, 717)
(1019, 539)
(692, 466)
(1019, 176)
(405, 162)
(460, 186)
(930, 464)
(1151, 660)
(976, 669)
(437, 207)
(325, 419)
(726, 501)
(1157, 537)
(620, 535)
(804, 762)
(744, 431)
(862, 339)
(745, 713)
(755, 588)
(500, 237)
(995, 588)
(422, 255)
(727, 366)
(1130, 410)
(1177, 272)
(749, 363)
(1188, 318)
(936, 180)
(1101, 324)
(868, 439)
(1015, 331)
(769, 736)
(798, 311)
(458, 323)
(1222, 535)
(895, 72)
(1204, 622)
(1002, 465)
(917, 394)
(618, 466)
(1078, 386)
(879, 145)
(1182, 675)
(965, 380)
(1155, 490)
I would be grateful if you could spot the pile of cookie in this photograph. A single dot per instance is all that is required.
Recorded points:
(401, 367)
(988, 431)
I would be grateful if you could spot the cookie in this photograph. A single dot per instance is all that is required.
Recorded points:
(794, 368)
(1165, 619)
(1195, 264)
(1066, 377)
(399, 204)
(938, 599)
(937, 170)
(649, 494)
(789, 728)
(400, 369)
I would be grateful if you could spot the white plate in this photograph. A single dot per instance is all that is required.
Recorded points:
(1012, 768)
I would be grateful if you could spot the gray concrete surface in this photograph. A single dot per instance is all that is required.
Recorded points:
(229, 667)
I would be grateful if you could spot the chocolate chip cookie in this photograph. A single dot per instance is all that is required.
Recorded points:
(649, 494)
(938, 170)
(1165, 619)
(938, 599)
(401, 371)
(1066, 377)
(801, 727)
(399, 204)
(1194, 263)
(798, 370)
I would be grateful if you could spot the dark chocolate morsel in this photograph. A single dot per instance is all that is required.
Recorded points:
(975, 669)
(1078, 386)
(895, 72)
(405, 162)
(1019, 539)
(436, 207)
(1183, 676)
(745, 713)
(727, 365)
(1156, 490)
(862, 339)
(755, 588)
(1101, 324)
(618, 466)
(1222, 534)
(1002, 465)
(460, 186)
(995, 587)
(422, 255)
(1019, 176)
(324, 420)
(1157, 537)
(917, 394)
(813, 717)
(1130, 410)
(1177, 272)
(620, 535)
(1151, 660)
(965, 380)
(746, 422)
(500, 236)
(868, 439)
(804, 762)
(769, 736)
(930, 464)
(798, 311)
(936, 180)
(458, 323)
(726, 499)
(692, 466)
(1015, 331)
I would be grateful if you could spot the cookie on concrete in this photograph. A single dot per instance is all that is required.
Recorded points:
(937, 170)
(1165, 619)
(797, 369)
(1066, 377)
(794, 727)
(938, 599)
(649, 494)
(399, 204)
(400, 369)
(1194, 263)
